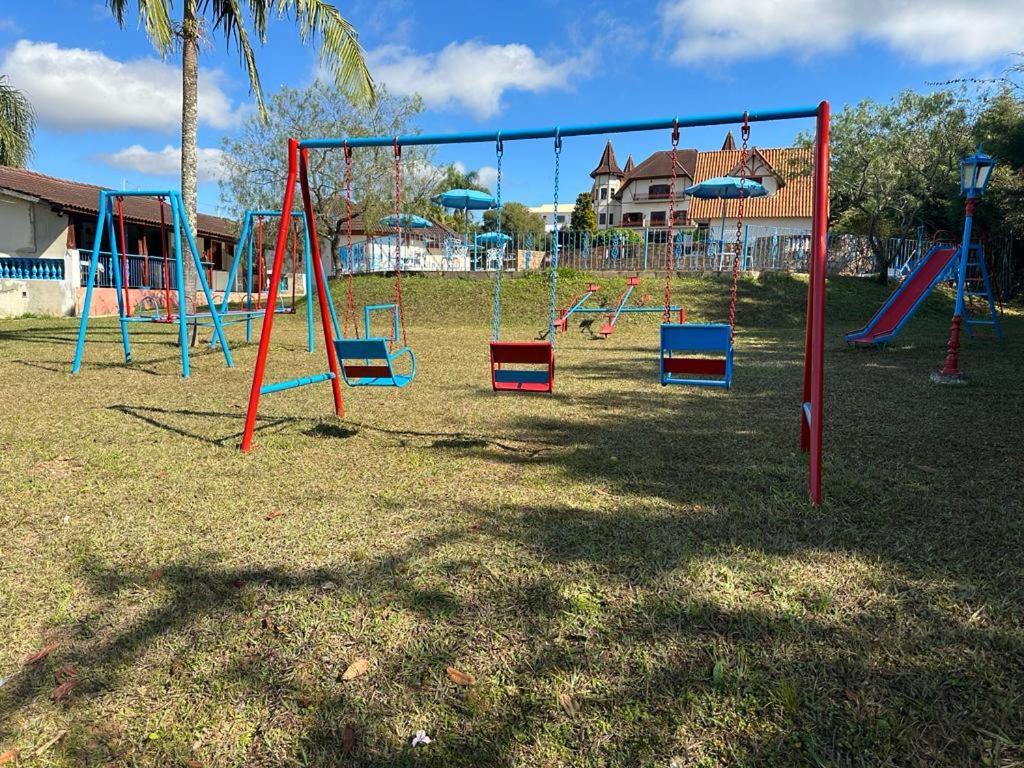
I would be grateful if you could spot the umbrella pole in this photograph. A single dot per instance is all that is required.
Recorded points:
(721, 240)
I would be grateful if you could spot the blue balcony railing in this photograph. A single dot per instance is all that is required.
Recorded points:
(18, 268)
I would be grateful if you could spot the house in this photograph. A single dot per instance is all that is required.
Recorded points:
(47, 226)
(547, 212)
(374, 246)
(638, 194)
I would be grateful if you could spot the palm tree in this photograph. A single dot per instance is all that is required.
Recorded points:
(317, 21)
(17, 125)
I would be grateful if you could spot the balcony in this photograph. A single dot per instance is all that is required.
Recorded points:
(643, 197)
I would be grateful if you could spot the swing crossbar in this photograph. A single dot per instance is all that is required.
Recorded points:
(754, 116)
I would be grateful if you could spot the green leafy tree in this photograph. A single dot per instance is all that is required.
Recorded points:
(516, 219)
(622, 235)
(318, 23)
(17, 125)
(895, 165)
(583, 217)
(255, 178)
(1000, 129)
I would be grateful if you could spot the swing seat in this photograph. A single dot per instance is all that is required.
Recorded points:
(677, 339)
(534, 353)
(373, 363)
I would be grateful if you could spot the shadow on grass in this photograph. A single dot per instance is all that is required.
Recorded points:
(816, 682)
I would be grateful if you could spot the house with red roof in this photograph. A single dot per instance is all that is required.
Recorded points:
(639, 195)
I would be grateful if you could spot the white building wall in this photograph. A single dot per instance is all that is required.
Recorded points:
(31, 229)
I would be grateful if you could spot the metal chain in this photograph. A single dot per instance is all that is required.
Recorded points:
(499, 151)
(670, 253)
(554, 247)
(350, 297)
(398, 260)
(745, 133)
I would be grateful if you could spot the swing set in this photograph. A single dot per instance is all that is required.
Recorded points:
(251, 249)
(176, 309)
(676, 338)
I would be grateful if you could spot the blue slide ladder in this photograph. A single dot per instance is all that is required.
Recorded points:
(977, 275)
(370, 361)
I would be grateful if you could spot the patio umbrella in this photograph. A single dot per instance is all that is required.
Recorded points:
(725, 188)
(465, 200)
(494, 237)
(408, 220)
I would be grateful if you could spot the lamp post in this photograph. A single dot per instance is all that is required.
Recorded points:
(975, 174)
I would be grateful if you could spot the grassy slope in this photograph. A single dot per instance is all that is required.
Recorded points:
(630, 573)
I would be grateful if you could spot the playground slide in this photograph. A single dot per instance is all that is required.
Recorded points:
(900, 307)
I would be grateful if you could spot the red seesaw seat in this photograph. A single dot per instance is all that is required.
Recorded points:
(534, 353)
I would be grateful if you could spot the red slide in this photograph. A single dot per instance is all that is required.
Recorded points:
(900, 307)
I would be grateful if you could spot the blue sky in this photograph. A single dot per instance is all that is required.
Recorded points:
(109, 113)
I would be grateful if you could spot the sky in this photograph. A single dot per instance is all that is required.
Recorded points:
(109, 108)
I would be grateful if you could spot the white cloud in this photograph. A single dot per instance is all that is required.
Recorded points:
(76, 89)
(488, 176)
(929, 31)
(166, 161)
(472, 75)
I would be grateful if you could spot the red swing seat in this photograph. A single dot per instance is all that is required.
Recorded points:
(533, 353)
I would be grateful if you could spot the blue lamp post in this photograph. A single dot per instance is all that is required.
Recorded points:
(975, 174)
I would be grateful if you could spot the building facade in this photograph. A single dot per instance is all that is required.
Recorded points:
(47, 226)
(639, 195)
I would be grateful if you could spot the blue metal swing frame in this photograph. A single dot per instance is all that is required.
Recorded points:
(373, 356)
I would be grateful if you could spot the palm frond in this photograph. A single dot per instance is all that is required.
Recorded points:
(155, 17)
(229, 20)
(17, 125)
(340, 52)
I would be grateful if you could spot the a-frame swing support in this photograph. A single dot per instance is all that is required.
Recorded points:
(179, 224)
(811, 407)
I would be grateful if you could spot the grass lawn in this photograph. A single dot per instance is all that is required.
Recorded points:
(627, 575)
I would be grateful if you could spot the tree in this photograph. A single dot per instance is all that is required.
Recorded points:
(516, 219)
(583, 217)
(255, 172)
(317, 20)
(895, 165)
(17, 125)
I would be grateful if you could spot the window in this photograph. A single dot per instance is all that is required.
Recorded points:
(633, 219)
(561, 219)
(604, 193)
(658, 191)
(600, 220)
(679, 217)
(658, 218)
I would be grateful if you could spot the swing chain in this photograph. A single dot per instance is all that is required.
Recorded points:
(350, 297)
(744, 155)
(398, 260)
(554, 242)
(499, 152)
(670, 255)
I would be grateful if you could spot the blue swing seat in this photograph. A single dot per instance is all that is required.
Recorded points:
(372, 359)
(702, 338)
(363, 372)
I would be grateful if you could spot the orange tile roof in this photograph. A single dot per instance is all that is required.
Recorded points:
(792, 200)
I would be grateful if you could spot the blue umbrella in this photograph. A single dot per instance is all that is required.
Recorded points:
(726, 188)
(465, 200)
(493, 237)
(409, 220)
